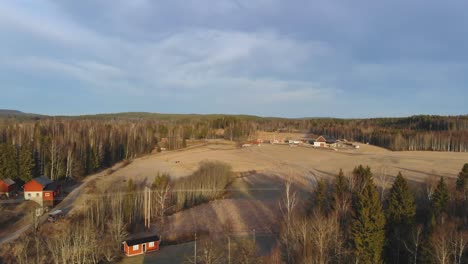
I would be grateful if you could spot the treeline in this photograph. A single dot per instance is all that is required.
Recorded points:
(61, 148)
(75, 147)
(433, 133)
(346, 222)
(423, 132)
(70, 147)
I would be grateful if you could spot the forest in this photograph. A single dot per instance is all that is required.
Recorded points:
(95, 232)
(72, 147)
(348, 220)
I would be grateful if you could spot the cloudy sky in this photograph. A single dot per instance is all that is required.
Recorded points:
(264, 57)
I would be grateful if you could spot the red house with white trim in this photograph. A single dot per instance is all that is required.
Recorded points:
(41, 190)
(7, 186)
(133, 247)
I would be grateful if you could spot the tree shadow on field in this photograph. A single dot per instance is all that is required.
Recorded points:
(182, 226)
(333, 175)
(421, 172)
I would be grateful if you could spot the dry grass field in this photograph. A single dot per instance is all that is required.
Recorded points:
(252, 202)
(299, 161)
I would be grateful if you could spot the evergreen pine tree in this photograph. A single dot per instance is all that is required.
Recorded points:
(341, 186)
(25, 163)
(8, 161)
(461, 201)
(400, 214)
(362, 176)
(368, 223)
(340, 191)
(2, 161)
(462, 180)
(319, 196)
(439, 199)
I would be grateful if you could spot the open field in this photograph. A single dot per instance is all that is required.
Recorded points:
(252, 202)
(306, 162)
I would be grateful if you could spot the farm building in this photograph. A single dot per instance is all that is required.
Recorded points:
(292, 141)
(320, 142)
(133, 247)
(41, 190)
(7, 186)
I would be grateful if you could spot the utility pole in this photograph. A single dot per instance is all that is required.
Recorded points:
(195, 251)
(147, 207)
(145, 198)
(229, 249)
(254, 235)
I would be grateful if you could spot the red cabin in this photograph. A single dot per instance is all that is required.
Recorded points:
(7, 186)
(133, 247)
(42, 190)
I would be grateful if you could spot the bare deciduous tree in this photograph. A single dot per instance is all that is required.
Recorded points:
(287, 206)
(383, 181)
(440, 241)
(323, 235)
(413, 247)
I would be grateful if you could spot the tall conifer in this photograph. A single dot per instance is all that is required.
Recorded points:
(400, 214)
(341, 186)
(319, 196)
(439, 199)
(462, 180)
(368, 223)
(25, 163)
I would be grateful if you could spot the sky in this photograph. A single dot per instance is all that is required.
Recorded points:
(288, 58)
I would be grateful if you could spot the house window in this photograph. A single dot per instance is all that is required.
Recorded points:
(37, 194)
(136, 247)
(29, 194)
(151, 244)
(47, 194)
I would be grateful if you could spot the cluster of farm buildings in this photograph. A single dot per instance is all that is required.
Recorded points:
(319, 142)
(41, 190)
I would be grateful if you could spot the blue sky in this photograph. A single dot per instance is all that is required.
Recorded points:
(263, 57)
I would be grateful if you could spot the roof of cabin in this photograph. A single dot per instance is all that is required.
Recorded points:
(137, 241)
(43, 180)
(321, 139)
(51, 186)
(8, 181)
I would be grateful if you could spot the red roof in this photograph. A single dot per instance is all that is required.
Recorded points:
(321, 139)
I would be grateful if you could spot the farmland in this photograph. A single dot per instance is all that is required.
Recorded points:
(251, 202)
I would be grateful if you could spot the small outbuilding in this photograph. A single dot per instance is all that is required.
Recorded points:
(137, 246)
(7, 186)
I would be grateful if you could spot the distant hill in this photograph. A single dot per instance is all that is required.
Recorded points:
(162, 116)
(8, 113)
